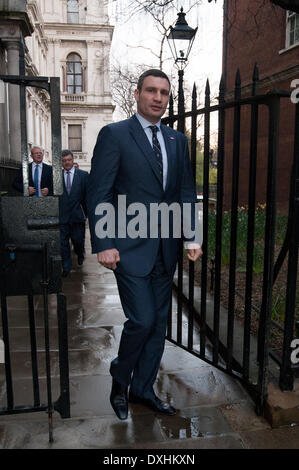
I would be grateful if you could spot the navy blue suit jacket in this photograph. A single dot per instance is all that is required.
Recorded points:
(124, 163)
(45, 182)
(72, 207)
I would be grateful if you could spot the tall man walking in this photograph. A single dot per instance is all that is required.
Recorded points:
(147, 162)
(72, 211)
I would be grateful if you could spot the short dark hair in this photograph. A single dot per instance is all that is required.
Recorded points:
(66, 152)
(153, 73)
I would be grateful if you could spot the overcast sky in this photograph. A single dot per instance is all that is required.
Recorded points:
(139, 30)
(205, 59)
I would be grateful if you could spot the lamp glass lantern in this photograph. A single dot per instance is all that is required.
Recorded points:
(180, 40)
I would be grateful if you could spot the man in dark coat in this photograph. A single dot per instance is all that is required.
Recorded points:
(40, 176)
(72, 211)
(148, 163)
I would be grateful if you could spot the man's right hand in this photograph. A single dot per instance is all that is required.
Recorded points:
(32, 190)
(109, 258)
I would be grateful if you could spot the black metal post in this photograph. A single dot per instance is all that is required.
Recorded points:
(56, 135)
(204, 260)
(45, 285)
(251, 220)
(286, 380)
(219, 210)
(62, 405)
(181, 103)
(34, 362)
(181, 128)
(191, 263)
(234, 224)
(24, 149)
(171, 122)
(265, 315)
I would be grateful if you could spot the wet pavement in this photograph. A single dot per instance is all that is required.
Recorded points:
(214, 411)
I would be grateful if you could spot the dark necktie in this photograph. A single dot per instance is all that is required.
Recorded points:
(36, 181)
(157, 149)
(68, 182)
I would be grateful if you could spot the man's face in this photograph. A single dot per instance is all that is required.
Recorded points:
(153, 98)
(67, 162)
(37, 155)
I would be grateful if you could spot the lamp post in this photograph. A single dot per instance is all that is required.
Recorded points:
(180, 40)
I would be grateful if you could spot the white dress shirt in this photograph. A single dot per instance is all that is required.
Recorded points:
(149, 134)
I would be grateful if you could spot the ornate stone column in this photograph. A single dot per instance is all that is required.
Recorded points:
(4, 149)
(13, 49)
(29, 121)
(14, 26)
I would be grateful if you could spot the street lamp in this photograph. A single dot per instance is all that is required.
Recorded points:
(180, 40)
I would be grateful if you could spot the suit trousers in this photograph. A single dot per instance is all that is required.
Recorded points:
(76, 232)
(146, 302)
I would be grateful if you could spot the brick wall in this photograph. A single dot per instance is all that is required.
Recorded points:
(256, 32)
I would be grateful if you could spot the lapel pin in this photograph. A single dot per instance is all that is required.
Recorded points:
(171, 138)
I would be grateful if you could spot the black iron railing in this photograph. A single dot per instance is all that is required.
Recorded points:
(223, 342)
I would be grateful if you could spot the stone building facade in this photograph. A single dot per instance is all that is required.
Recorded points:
(69, 39)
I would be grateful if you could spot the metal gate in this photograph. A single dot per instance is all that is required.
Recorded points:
(30, 263)
(221, 341)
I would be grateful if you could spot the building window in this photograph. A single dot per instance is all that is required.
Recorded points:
(292, 28)
(75, 137)
(73, 11)
(74, 73)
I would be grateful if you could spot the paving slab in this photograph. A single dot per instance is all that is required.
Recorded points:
(201, 386)
(103, 433)
(213, 410)
(242, 417)
(233, 441)
(282, 438)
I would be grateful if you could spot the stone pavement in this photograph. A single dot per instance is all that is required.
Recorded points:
(214, 411)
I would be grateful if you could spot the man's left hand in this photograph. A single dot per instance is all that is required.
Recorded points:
(45, 191)
(194, 253)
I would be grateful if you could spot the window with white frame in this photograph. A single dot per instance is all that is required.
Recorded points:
(75, 137)
(73, 11)
(292, 28)
(74, 74)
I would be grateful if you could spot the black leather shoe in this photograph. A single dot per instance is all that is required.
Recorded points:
(64, 273)
(154, 403)
(119, 399)
(80, 259)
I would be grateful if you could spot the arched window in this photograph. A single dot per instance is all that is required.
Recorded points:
(73, 11)
(74, 75)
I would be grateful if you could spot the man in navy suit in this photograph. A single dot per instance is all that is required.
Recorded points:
(40, 176)
(72, 212)
(147, 162)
